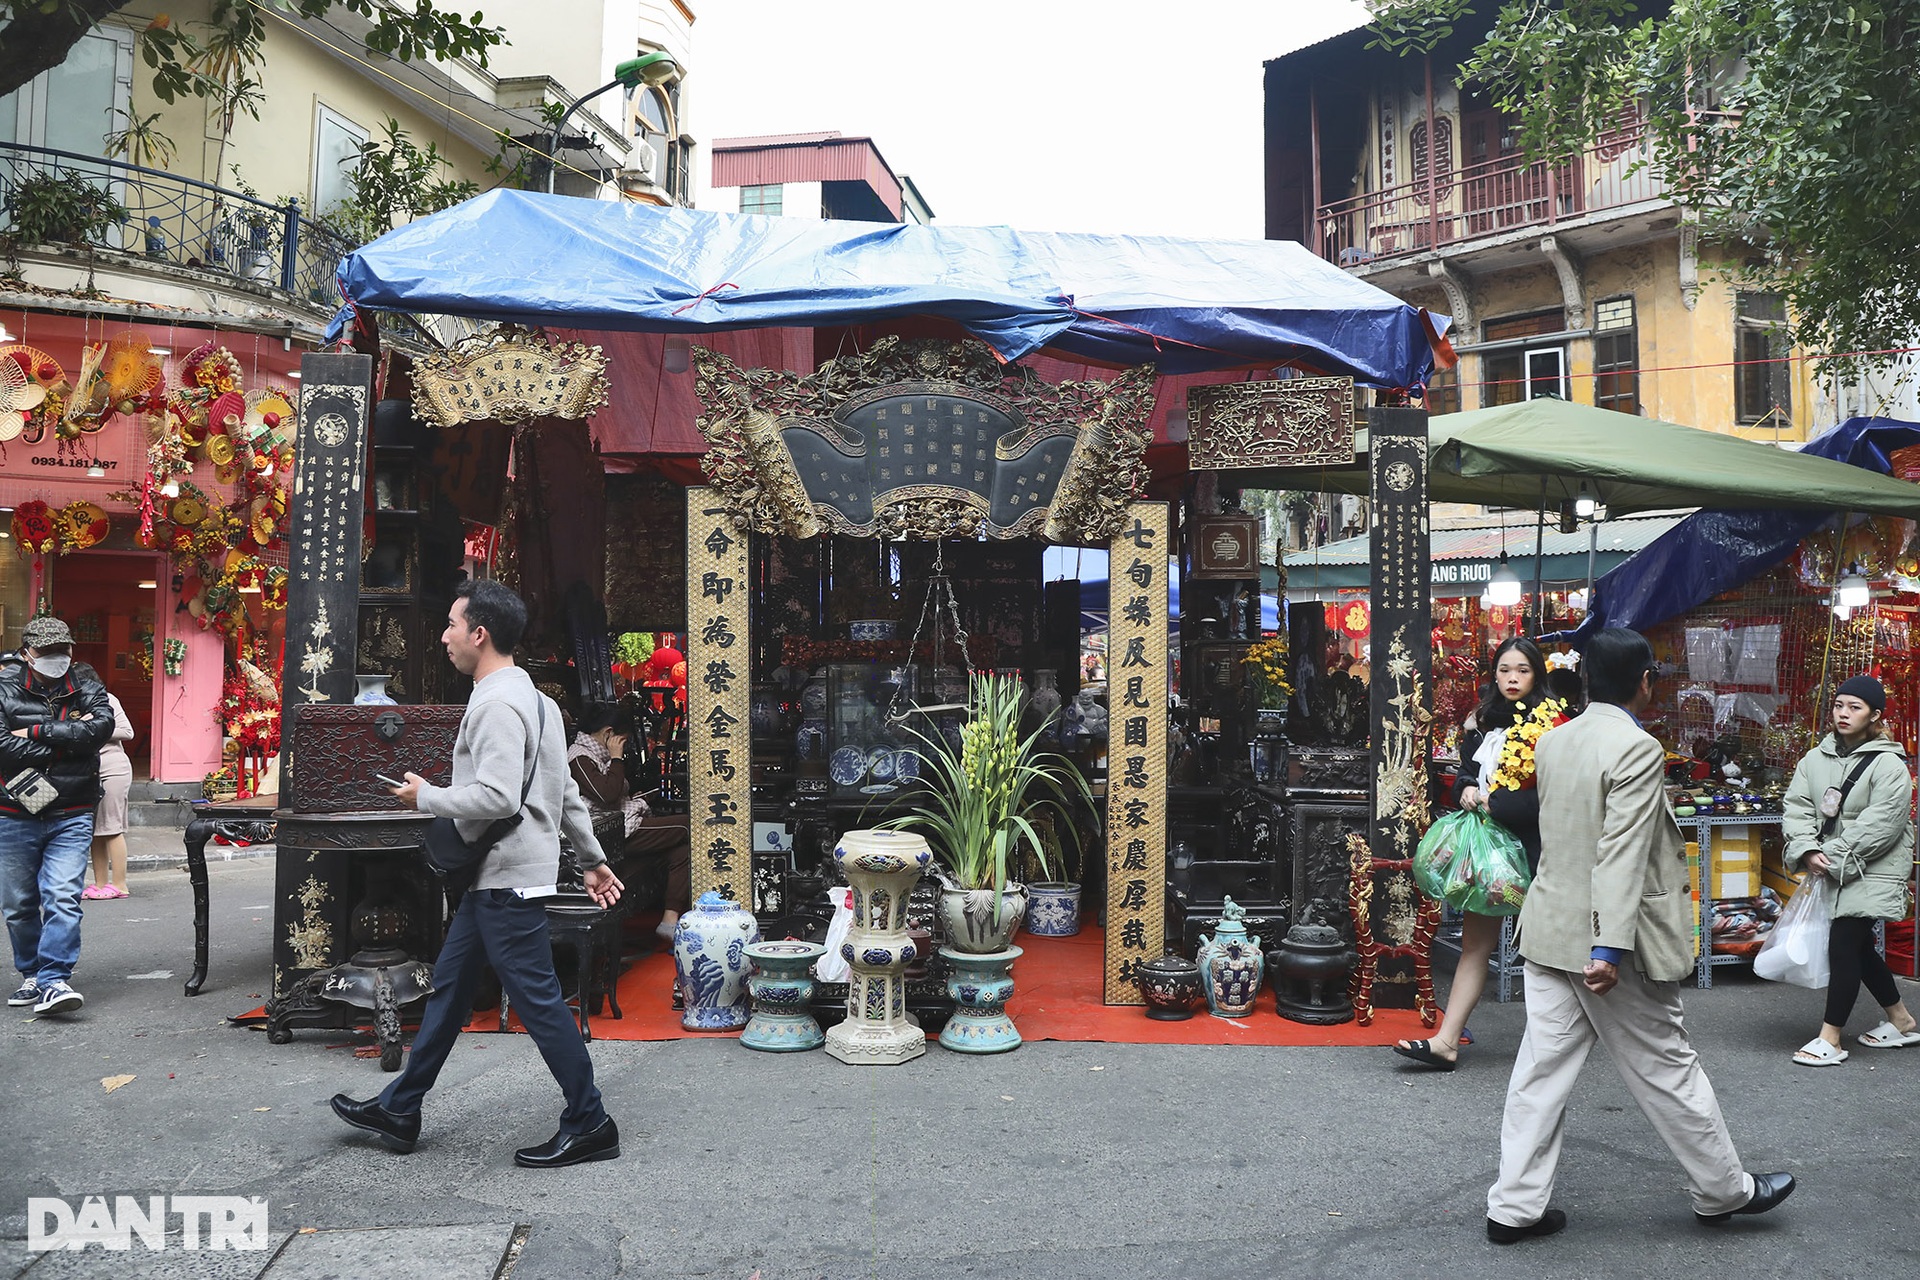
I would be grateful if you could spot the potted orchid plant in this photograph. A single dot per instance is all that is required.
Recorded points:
(978, 810)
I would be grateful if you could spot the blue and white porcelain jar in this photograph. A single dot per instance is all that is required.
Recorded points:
(710, 963)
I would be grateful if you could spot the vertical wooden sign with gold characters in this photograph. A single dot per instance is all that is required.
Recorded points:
(719, 802)
(1137, 606)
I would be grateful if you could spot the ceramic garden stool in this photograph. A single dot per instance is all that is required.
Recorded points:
(882, 867)
(782, 988)
(980, 986)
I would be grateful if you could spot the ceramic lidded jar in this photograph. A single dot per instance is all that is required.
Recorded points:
(1230, 965)
(711, 965)
(1171, 985)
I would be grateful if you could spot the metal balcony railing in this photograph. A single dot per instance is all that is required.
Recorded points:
(185, 222)
(1486, 199)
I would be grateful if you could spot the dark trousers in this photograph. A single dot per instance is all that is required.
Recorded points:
(501, 927)
(1852, 959)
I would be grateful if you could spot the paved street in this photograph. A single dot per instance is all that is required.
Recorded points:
(1060, 1160)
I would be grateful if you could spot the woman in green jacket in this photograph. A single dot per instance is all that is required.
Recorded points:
(1862, 841)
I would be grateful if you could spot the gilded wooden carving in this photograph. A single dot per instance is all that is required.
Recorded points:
(923, 439)
(511, 375)
(1299, 422)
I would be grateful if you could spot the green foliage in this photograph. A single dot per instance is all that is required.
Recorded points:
(981, 799)
(141, 142)
(1786, 124)
(61, 207)
(204, 63)
(395, 181)
(633, 648)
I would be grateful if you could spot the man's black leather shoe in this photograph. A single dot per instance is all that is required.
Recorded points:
(1552, 1222)
(1769, 1189)
(563, 1148)
(399, 1132)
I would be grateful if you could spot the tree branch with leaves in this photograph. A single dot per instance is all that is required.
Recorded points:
(1787, 125)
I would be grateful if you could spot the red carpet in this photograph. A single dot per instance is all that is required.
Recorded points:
(1057, 997)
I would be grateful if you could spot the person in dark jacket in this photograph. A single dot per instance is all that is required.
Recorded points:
(56, 716)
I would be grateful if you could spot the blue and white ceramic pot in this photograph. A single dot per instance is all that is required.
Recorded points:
(710, 963)
(1053, 909)
(782, 988)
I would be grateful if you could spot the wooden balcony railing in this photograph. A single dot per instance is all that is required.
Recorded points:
(1486, 199)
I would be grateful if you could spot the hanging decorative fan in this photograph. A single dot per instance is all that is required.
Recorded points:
(35, 363)
(19, 396)
(89, 404)
(269, 418)
(82, 525)
(131, 371)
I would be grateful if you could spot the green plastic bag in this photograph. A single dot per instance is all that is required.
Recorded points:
(1472, 863)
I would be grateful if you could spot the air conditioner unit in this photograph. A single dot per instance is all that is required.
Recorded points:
(643, 161)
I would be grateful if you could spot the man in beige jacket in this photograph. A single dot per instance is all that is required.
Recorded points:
(1607, 933)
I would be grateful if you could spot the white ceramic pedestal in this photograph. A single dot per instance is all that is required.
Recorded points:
(882, 867)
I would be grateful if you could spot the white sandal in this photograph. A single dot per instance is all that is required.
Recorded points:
(1888, 1036)
(1818, 1053)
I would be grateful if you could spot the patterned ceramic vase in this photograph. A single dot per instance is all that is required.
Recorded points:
(710, 963)
(980, 986)
(978, 920)
(782, 988)
(1053, 910)
(882, 867)
(1230, 965)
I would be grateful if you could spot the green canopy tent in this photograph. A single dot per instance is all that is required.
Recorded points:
(1543, 452)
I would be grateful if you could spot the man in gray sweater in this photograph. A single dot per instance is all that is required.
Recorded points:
(501, 918)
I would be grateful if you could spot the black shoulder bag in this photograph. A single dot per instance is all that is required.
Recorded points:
(456, 859)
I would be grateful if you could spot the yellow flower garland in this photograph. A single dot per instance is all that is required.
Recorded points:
(1515, 769)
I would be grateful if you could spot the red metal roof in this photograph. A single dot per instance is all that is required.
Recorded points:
(805, 157)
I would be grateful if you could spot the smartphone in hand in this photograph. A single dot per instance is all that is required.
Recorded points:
(395, 783)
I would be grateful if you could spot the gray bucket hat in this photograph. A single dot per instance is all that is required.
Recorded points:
(44, 632)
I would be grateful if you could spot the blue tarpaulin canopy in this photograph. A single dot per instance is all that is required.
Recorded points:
(1714, 551)
(1183, 305)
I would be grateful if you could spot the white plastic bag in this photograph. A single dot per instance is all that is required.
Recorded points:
(1796, 950)
(832, 967)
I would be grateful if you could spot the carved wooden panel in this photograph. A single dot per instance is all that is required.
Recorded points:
(1299, 422)
(339, 747)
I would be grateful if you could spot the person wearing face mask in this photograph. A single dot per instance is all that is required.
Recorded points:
(1847, 822)
(54, 718)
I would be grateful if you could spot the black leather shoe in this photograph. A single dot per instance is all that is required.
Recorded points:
(565, 1148)
(1552, 1222)
(399, 1132)
(1769, 1189)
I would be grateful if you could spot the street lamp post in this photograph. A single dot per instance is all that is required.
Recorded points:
(648, 69)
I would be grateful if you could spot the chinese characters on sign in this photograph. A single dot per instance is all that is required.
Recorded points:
(1399, 710)
(323, 590)
(718, 749)
(1137, 749)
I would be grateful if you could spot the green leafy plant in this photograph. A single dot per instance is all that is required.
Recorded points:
(1786, 126)
(981, 799)
(62, 207)
(394, 181)
(141, 142)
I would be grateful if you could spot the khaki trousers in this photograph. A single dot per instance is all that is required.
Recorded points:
(1640, 1024)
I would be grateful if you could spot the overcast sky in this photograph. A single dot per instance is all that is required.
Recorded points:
(1115, 116)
